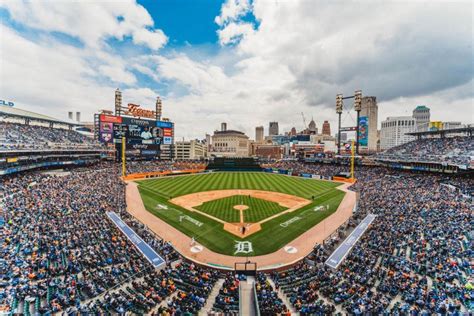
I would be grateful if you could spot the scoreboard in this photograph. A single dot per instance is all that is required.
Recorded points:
(144, 137)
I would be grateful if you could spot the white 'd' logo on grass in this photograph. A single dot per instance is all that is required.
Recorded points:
(243, 247)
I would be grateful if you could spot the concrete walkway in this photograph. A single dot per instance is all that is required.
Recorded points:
(246, 297)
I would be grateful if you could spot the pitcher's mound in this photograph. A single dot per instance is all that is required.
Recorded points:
(241, 207)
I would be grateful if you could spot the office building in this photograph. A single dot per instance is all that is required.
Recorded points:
(422, 116)
(394, 131)
(259, 134)
(229, 143)
(369, 118)
(326, 128)
(273, 129)
(190, 150)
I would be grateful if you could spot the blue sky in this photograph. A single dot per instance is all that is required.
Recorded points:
(246, 62)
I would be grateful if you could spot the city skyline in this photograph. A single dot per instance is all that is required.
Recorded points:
(230, 66)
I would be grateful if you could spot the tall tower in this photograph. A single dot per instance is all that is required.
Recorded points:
(312, 127)
(422, 116)
(223, 127)
(259, 134)
(159, 109)
(369, 120)
(118, 102)
(273, 128)
(326, 128)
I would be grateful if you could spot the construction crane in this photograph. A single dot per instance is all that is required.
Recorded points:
(304, 120)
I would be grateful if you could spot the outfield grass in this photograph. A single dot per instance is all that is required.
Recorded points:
(274, 234)
(181, 185)
(224, 208)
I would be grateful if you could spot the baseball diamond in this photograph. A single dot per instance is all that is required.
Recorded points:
(267, 210)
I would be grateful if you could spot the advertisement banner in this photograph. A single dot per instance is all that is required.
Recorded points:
(363, 131)
(167, 140)
(164, 124)
(106, 132)
(167, 132)
(110, 119)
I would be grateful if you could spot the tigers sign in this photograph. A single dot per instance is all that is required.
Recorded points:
(135, 110)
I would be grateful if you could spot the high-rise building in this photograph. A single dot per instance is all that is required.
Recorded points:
(312, 127)
(326, 128)
(394, 131)
(368, 124)
(259, 134)
(422, 116)
(273, 129)
(293, 131)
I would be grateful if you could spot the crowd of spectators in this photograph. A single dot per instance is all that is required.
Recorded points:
(227, 301)
(326, 170)
(162, 165)
(414, 259)
(268, 301)
(20, 136)
(457, 150)
(60, 253)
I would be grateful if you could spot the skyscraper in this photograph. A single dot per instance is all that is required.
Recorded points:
(273, 128)
(259, 134)
(368, 126)
(326, 128)
(422, 116)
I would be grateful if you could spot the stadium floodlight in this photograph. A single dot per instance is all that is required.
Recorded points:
(358, 100)
(339, 103)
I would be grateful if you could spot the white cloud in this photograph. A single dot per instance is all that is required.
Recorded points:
(91, 22)
(232, 10)
(295, 59)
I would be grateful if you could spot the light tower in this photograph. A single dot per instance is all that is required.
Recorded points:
(118, 102)
(339, 105)
(358, 108)
(159, 109)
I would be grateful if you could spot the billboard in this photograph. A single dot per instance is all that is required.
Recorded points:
(363, 131)
(143, 136)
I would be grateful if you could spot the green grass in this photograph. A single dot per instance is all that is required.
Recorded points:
(224, 208)
(181, 185)
(211, 234)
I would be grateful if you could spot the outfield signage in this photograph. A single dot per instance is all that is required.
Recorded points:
(290, 221)
(190, 219)
(142, 246)
(338, 256)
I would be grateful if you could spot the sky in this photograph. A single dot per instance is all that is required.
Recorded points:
(242, 62)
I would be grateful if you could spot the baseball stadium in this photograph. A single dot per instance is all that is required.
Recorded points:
(91, 224)
(236, 158)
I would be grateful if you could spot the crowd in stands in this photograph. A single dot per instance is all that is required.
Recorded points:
(162, 165)
(414, 259)
(457, 150)
(60, 253)
(268, 301)
(20, 136)
(227, 301)
(311, 168)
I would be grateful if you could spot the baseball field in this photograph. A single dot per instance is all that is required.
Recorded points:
(240, 213)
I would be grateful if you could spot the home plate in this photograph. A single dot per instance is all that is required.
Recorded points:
(196, 249)
(290, 249)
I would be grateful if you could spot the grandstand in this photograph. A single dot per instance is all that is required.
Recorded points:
(62, 254)
(448, 151)
(34, 141)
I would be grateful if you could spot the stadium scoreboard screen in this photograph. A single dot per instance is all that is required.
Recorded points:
(144, 137)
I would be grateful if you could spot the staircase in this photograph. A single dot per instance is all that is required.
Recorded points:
(246, 297)
(212, 298)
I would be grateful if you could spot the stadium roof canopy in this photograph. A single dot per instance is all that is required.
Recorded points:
(468, 130)
(9, 111)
